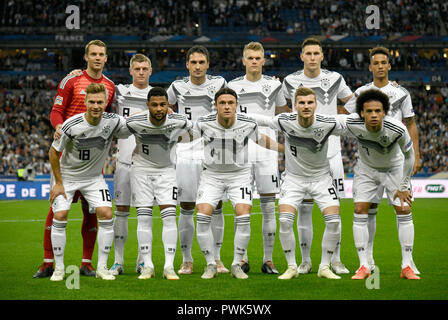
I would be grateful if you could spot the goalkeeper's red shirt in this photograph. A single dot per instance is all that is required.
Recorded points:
(71, 94)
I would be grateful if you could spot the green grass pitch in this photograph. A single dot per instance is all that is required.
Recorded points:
(21, 232)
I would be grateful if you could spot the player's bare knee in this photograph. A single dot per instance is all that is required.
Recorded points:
(373, 205)
(187, 205)
(104, 213)
(242, 209)
(60, 215)
(205, 208)
(123, 208)
(362, 207)
(405, 210)
(331, 210)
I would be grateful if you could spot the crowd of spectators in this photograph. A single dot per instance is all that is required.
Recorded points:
(26, 133)
(189, 17)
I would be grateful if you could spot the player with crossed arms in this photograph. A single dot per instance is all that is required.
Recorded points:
(307, 172)
(226, 170)
(85, 143)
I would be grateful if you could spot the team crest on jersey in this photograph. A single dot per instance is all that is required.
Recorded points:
(325, 83)
(106, 131)
(384, 140)
(391, 95)
(239, 135)
(266, 88)
(318, 134)
(211, 91)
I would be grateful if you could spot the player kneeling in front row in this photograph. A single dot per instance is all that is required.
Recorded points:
(153, 177)
(382, 142)
(307, 173)
(85, 143)
(226, 169)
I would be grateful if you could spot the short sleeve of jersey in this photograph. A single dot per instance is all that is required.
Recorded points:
(405, 142)
(171, 95)
(343, 90)
(274, 123)
(280, 100)
(122, 130)
(59, 145)
(350, 106)
(341, 126)
(408, 110)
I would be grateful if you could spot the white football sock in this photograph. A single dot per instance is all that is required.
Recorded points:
(169, 235)
(406, 237)
(305, 229)
(205, 236)
(105, 240)
(58, 241)
(331, 237)
(218, 231)
(287, 237)
(269, 226)
(144, 235)
(186, 233)
(361, 237)
(242, 237)
(371, 225)
(120, 234)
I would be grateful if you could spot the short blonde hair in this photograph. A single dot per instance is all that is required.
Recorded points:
(96, 88)
(139, 57)
(98, 43)
(255, 46)
(303, 92)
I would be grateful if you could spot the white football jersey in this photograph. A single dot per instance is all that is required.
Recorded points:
(259, 97)
(328, 86)
(226, 150)
(383, 149)
(306, 149)
(155, 144)
(85, 147)
(399, 98)
(130, 100)
(194, 101)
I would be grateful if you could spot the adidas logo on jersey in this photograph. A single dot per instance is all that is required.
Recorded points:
(242, 90)
(187, 93)
(82, 91)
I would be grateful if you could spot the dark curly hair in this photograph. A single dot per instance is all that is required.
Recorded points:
(372, 95)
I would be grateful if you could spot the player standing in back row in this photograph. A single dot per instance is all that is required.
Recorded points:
(130, 99)
(261, 94)
(193, 96)
(401, 109)
(328, 86)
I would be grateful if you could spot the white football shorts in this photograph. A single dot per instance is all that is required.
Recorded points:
(151, 189)
(294, 190)
(369, 184)
(337, 172)
(212, 187)
(265, 174)
(95, 191)
(122, 184)
(188, 174)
